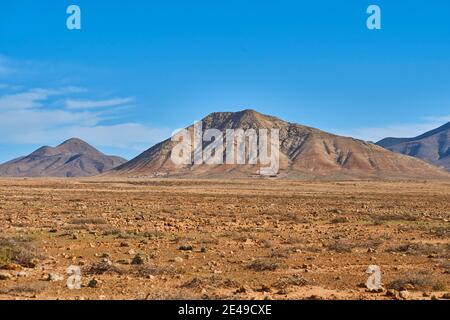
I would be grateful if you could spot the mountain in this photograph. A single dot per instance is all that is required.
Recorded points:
(72, 158)
(432, 146)
(305, 153)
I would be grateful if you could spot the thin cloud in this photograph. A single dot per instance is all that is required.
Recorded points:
(90, 104)
(33, 98)
(33, 117)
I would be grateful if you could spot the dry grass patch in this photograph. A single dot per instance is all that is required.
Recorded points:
(17, 250)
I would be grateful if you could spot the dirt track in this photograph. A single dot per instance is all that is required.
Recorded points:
(253, 239)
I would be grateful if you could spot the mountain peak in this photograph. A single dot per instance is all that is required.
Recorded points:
(75, 145)
(72, 158)
(432, 146)
(304, 153)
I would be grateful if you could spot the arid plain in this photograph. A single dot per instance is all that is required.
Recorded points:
(227, 239)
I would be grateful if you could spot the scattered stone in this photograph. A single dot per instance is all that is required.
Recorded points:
(186, 248)
(203, 250)
(93, 283)
(54, 277)
(22, 274)
(178, 259)
(243, 289)
(404, 294)
(446, 296)
(138, 259)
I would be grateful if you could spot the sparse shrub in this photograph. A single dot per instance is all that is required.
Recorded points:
(339, 220)
(153, 270)
(213, 281)
(442, 251)
(417, 282)
(339, 246)
(18, 250)
(85, 221)
(102, 267)
(264, 265)
(35, 287)
(292, 280)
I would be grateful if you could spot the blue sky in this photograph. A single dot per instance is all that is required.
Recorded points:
(139, 69)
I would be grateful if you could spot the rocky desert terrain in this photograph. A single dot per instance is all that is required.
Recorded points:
(223, 239)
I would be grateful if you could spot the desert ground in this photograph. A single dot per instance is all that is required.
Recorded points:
(235, 239)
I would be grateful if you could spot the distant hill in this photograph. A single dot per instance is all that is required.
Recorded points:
(432, 146)
(306, 153)
(72, 158)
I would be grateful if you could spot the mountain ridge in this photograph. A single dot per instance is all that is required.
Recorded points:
(432, 146)
(72, 158)
(306, 153)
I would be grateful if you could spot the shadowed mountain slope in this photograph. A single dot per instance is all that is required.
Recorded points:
(432, 146)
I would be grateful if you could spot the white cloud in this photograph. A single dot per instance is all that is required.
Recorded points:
(33, 98)
(89, 104)
(32, 117)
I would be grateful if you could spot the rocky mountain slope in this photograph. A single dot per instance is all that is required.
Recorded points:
(306, 153)
(432, 146)
(72, 158)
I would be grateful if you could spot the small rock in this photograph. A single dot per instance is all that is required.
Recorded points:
(243, 289)
(404, 294)
(93, 283)
(22, 274)
(54, 277)
(138, 259)
(186, 248)
(178, 259)
(446, 296)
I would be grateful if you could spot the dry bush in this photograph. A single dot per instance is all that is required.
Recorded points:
(264, 265)
(153, 270)
(213, 281)
(152, 235)
(293, 217)
(35, 287)
(440, 250)
(340, 246)
(418, 281)
(85, 221)
(18, 250)
(209, 241)
(103, 267)
(292, 280)
(339, 220)
(440, 232)
(381, 218)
